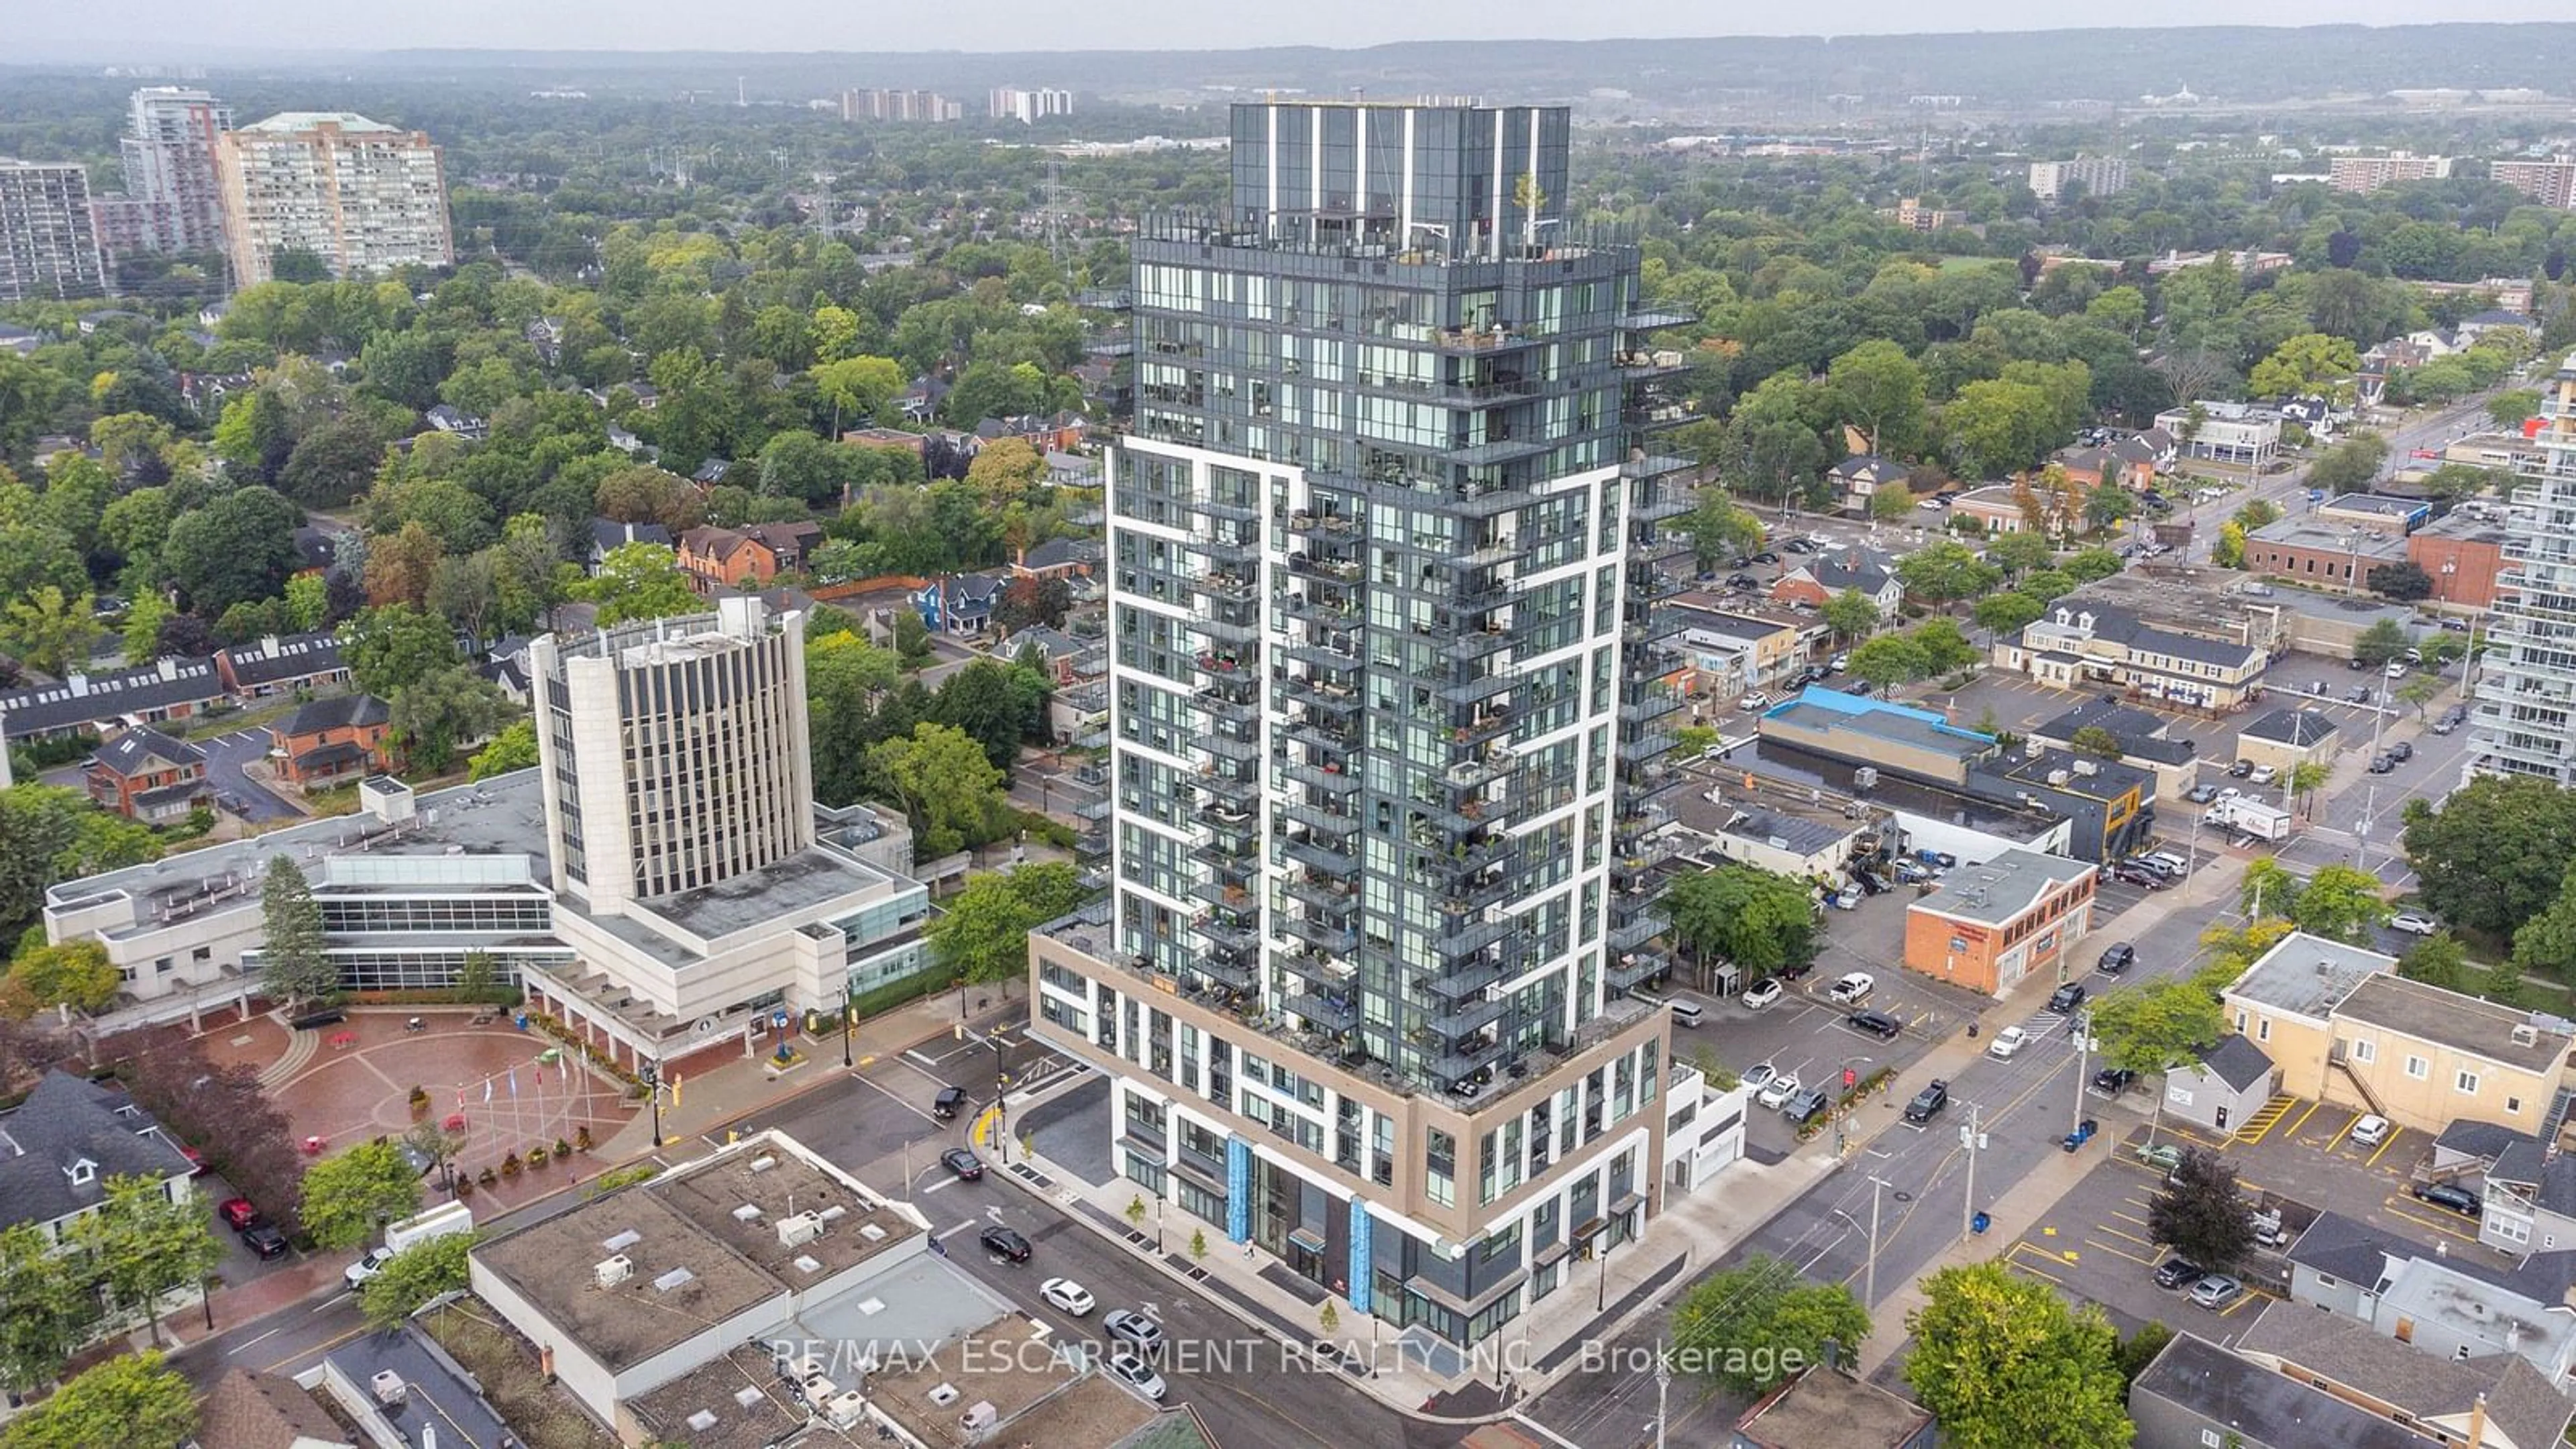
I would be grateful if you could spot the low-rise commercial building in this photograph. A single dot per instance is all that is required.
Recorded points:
(2223, 1089)
(2314, 555)
(1990, 927)
(2243, 434)
(2298, 1379)
(2285, 739)
(2144, 742)
(2463, 556)
(2084, 645)
(1825, 1406)
(2374, 512)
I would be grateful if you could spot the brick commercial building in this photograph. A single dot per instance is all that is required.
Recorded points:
(2314, 555)
(2463, 557)
(1989, 927)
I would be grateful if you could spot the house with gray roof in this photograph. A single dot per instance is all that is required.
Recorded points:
(2229, 1084)
(276, 664)
(2086, 644)
(2355, 1365)
(2174, 763)
(146, 775)
(2529, 1194)
(2197, 1394)
(61, 1146)
(1858, 478)
(2461, 1306)
(609, 533)
(167, 689)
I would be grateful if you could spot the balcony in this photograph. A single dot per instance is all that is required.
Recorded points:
(1633, 825)
(1332, 821)
(1331, 1013)
(1321, 695)
(1469, 341)
(1228, 588)
(1225, 809)
(1322, 735)
(1221, 627)
(1635, 966)
(1469, 645)
(1642, 783)
(1228, 702)
(1649, 366)
(1638, 932)
(1468, 935)
(1217, 744)
(1315, 854)
(1656, 704)
(1637, 860)
(1338, 654)
(1328, 973)
(1654, 624)
(1651, 745)
(1331, 779)
(1659, 508)
(1327, 525)
(1463, 983)
(1230, 863)
(1648, 584)
(1234, 897)
(1323, 892)
(1454, 861)
(1223, 550)
(1459, 1020)
(1466, 1061)
(1314, 608)
(1235, 973)
(1219, 928)
(1231, 509)
(1479, 687)
(1321, 934)
(1653, 466)
(1220, 663)
(1485, 768)
(1653, 316)
(1338, 570)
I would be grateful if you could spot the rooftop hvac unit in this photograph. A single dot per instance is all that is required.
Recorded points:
(820, 1390)
(2058, 777)
(747, 1213)
(845, 1409)
(2525, 1034)
(609, 1272)
(2087, 767)
(763, 1163)
(798, 1229)
(388, 1387)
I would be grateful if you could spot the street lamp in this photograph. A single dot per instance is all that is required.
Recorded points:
(1663, 1388)
(845, 1023)
(1849, 1082)
(1971, 1139)
(651, 1073)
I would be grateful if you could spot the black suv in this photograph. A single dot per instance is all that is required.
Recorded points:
(2112, 1081)
(948, 1102)
(2458, 1199)
(264, 1239)
(1928, 1103)
(1001, 1242)
(2117, 957)
(1805, 1107)
(1877, 1023)
(2179, 1273)
(2066, 998)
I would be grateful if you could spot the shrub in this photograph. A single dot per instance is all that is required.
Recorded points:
(510, 1165)
(486, 1177)
(581, 1138)
(562, 1148)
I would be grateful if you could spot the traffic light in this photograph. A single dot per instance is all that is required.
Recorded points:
(1851, 1078)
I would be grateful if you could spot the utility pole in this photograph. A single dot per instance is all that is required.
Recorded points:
(1663, 1390)
(1971, 1139)
(2083, 1046)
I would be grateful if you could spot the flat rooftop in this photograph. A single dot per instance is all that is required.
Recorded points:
(2326, 538)
(2516, 1038)
(703, 1244)
(2308, 975)
(439, 1405)
(1002, 1371)
(1780, 762)
(1824, 1408)
(2000, 890)
(1831, 712)
(738, 1401)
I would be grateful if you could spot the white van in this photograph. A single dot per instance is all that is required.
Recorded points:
(1685, 1013)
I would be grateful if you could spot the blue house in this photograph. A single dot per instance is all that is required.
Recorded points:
(959, 603)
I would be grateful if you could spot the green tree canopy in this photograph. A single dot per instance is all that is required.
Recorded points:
(350, 1195)
(639, 581)
(2494, 853)
(414, 1276)
(948, 788)
(1851, 613)
(1754, 1325)
(129, 1399)
(50, 1308)
(2382, 642)
(2201, 1213)
(75, 973)
(1890, 660)
(2003, 1363)
(514, 748)
(390, 647)
(293, 966)
(984, 936)
(145, 1246)
(1760, 921)
(49, 833)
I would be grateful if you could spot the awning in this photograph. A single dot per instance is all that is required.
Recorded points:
(1551, 1255)
(1586, 1230)
(1144, 1150)
(1627, 1203)
(1424, 1287)
(1200, 1175)
(1308, 1239)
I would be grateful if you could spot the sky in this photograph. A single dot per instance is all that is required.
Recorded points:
(167, 27)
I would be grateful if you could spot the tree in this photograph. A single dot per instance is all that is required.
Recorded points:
(2305, 364)
(2003, 1363)
(2019, 553)
(2306, 778)
(2494, 853)
(465, 590)
(639, 581)
(414, 1276)
(1760, 921)
(2201, 1213)
(293, 967)
(1877, 388)
(2006, 614)
(514, 748)
(857, 387)
(1945, 646)
(2546, 943)
(2341, 903)
(401, 565)
(1725, 1322)
(2090, 564)
(436, 714)
(392, 646)
(50, 1308)
(949, 790)
(1890, 660)
(1996, 427)
(49, 630)
(2348, 465)
(49, 833)
(2095, 740)
(1851, 613)
(350, 1195)
(800, 466)
(1032, 600)
(1718, 528)
(239, 547)
(2403, 581)
(1945, 571)
(2380, 643)
(2437, 960)
(2229, 551)
(2154, 1027)
(1891, 503)
(984, 937)
(308, 601)
(1005, 470)
(2513, 407)
(74, 973)
(645, 494)
(145, 1247)
(128, 1399)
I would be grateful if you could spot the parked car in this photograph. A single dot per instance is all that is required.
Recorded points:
(2112, 1081)
(2240, 769)
(2264, 774)
(2457, 1199)
(2117, 957)
(1133, 1329)
(2370, 1131)
(357, 1273)
(263, 1238)
(2066, 998)
(1002, 1242)
(966, 1165)
(2396, 669)
(2400, 750)
(2179, 1273)
(1778, 1091)
(2007, 1042)
(2445, 725)
(2127, 873)
(1876, 1023)
(1911, 872)
(1928, 1103)
(1804, 1108)
(1761, 993)
(1067, 1295)
(2165, 863)
(1756, 700)
(1862, 688)
(1852, 988)
(1838, 664)
(237, 1213)
(2201, 794)
(2414, 923)
(2381, 764)
(2216, 1291)
(2358, 694)
(1759, 1075)
(1137, 1374)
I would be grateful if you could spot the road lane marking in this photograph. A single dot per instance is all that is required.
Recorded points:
(2393, 1135)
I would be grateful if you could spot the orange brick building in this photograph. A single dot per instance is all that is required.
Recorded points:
(332, 741)
(1992, 926)
(147, 776)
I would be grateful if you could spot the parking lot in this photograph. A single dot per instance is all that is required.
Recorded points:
(225, 757)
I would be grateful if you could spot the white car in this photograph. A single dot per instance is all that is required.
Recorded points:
(1761, 993)
(1756, 700)
(2396, 669)
(1067, 1295)
(2008, 1041)
(1760, 1076)
(357, 1273)
(1136, 1374)
(2370, 1131)
(1852, 989)
(2264, 774)
(2414, 923)
(1779, 1090)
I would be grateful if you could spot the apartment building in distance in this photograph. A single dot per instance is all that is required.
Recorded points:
(883, 105)
(1028, 107)
(1386, 720)
(2547, 183)
(2363, 174)
(48, 237)
(2099, 176)
(2524, 722)
(363, 196)
(172, 202)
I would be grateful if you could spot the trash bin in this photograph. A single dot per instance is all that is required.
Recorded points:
(1980, 1223)
(523, 1021)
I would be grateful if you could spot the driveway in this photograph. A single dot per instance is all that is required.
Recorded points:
(225, 757)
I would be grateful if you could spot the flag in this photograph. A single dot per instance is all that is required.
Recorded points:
(514, 1081)
(460, 1099)
(487, 1091)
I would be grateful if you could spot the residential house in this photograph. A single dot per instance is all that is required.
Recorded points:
(332, 741)
(282, 664)
(2144, 744)
(1824, 1406)
(2085, 645)
(67, 1139)
(2225, 1088)
(722, 558)
(319, 547)
(1061, 655)
(959, 603)
(1046, 432)
(2495, 319)
(1057, 558)
(711, 472)
(145, 775)
(1989, 927)
(2459, 1307)
(609, 533)
(1857, 479)
(2225, 432)
(1824, 575)
(788, 543)
(1727, 654)
(914, 443)
(1072, 470)
(2132, 461)
(247, 1410)
(2529, 1196)
(448, 419)
(166, 689)
(1996, 508)
(2346, 1030)
(2288, 738)
(2303, 1380)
